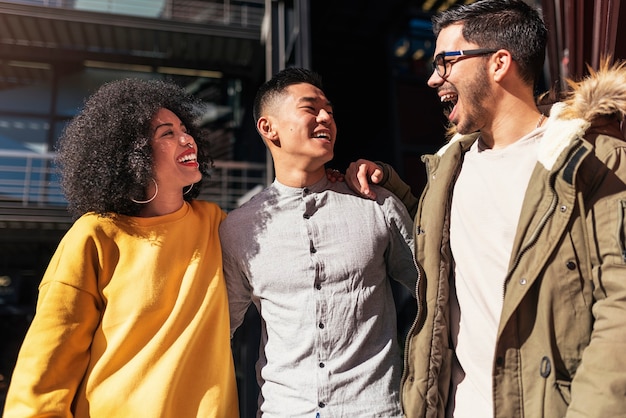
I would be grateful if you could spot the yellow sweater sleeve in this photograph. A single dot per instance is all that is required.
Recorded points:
(56, 350)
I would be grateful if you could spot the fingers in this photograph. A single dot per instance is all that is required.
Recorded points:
(360, 173)
(377, 175)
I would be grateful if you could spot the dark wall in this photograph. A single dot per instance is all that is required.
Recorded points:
(352, 61)
(383, 107)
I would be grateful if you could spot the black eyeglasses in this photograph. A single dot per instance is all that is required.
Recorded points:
(441, 64)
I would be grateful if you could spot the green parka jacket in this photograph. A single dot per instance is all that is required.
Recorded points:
(561, 343)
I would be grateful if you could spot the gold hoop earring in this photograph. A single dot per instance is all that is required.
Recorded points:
(189, 189)
(156, 191)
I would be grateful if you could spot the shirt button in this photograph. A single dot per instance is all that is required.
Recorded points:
(321, 404)
(570, 265)
(321, 325)
(305, 190)
(318, 286)
(321, 365)
(306, 216)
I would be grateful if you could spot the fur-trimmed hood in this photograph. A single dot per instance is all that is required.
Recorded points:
(601, 94)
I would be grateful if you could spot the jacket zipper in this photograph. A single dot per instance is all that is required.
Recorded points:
(417, 285)
(419, 277)
(417, 315)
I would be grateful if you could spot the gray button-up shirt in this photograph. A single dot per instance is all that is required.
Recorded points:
(316, 263)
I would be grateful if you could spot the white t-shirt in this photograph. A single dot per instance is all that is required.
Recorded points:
(486, 206)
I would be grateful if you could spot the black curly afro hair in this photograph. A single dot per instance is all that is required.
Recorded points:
(105, 153)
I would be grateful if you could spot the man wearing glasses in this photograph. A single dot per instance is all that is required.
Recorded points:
(444, 60)
(520, 232)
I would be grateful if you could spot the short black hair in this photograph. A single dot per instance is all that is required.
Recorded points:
(277, 85)
(502, 24)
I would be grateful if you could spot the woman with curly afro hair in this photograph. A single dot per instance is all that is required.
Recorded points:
(132, 315)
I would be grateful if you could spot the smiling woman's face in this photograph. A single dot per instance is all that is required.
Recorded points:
(174, 152)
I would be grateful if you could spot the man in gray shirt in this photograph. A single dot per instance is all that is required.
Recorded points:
(316, 259)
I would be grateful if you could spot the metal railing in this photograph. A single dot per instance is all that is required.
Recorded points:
(30, 180)
(234, 182)
(235, 13)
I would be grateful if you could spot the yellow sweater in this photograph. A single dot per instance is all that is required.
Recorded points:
(132, 321)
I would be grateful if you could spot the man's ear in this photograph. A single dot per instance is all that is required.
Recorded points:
(264, 126)
(502, 64)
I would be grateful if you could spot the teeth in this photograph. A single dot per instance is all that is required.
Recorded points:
(188, 157)
(447, 97)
